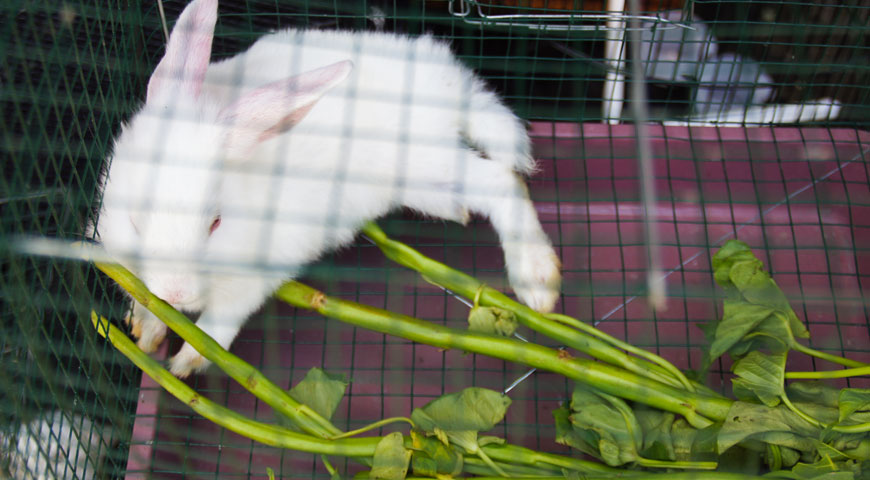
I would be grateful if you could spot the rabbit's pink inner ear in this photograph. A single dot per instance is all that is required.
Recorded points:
(275, 108)
(183, 66)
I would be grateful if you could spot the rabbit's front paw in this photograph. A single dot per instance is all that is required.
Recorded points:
(187, 361)
(149, 329)
(537, 280)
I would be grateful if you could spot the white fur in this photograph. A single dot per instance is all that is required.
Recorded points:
(56, 446)
(376, 121)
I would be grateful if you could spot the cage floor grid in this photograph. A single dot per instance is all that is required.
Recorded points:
(799, 196)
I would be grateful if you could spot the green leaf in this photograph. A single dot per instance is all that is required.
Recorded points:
(704, 442)
(432, 458)
(763, 375)
(738, 319)
(618, 432)
(757, 287)
(321, 391)
(824, 469)
(459, 416)
(492, 320)
(813, 391)
(584, 440)
(773, 334)
(391, 458)
(657, 440)
(733, 251)
(779, 426)
(853, 400)
(757, 313)
(476, 409)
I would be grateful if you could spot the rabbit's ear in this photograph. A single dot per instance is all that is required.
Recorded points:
(182, 69)
(274, 108)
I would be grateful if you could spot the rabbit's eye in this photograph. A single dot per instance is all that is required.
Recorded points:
(214, 224)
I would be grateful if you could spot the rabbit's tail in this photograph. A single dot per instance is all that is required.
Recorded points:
(494, 130)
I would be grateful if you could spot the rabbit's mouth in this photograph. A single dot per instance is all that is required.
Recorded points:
(188, 305)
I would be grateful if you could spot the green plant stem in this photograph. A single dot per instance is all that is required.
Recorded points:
(648, 476)
(328, 466)
(859, 428)
(244, 373)
(845, 373)
(470, 288)
(674, 372)
(652, 463)
(696, 408)
(476, 466)
(264, 433)
(628, 417)
(520, 455)
(827, 356)
(373, 426)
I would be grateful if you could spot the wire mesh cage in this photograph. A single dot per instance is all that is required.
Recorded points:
(756, 128)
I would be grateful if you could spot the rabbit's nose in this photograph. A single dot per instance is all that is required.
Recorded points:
(175, 297)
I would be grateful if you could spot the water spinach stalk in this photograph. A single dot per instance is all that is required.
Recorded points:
(699, 409)
(569, 331)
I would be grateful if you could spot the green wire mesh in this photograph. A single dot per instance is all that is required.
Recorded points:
(800, 194)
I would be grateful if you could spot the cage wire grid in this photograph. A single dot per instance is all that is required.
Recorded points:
(798, 194)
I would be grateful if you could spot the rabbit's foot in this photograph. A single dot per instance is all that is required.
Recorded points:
(187, 361)
(147, 328)
(537, 280)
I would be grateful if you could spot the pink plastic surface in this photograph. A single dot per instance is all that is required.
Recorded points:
(799, 196)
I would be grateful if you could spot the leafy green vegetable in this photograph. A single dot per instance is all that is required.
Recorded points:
(492, 320)
(761, 376)
(816, 392)
(584, 440)
(473, 409)
(431, 457)
(458, 417)
(321, 391)
(756, 314)
(657, 440)
(615, 435)
(738, 319)
(853, 400)
(391, 458)
(778, 426)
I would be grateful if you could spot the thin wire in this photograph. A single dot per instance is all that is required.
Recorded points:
(741, 227)
(163, 20)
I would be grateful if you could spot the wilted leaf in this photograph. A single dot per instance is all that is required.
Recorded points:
(777, 425)
(738, 319)
(824, 469)
(431, 457)
(813, 391)
(492, 320)
(584, 440)
(763, 375)
(657, 440)
(853, 400)
(618, 432)
(773, 334)
(391, 458)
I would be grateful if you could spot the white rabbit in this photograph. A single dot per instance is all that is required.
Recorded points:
(264, 161)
